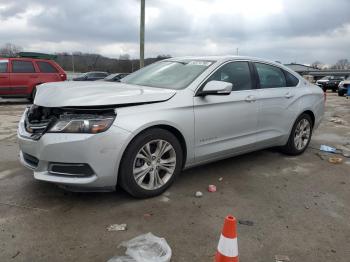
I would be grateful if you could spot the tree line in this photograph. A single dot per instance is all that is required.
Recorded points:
(84, 62)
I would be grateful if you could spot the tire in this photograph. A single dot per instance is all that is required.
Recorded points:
(132, 163)
(292, 148)
(340, 93)
(334, 90)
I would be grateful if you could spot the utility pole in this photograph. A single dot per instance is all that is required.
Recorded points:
(73, 62)
(142, 34)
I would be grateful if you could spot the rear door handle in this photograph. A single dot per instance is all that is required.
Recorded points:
(288, 95)
(250, 99)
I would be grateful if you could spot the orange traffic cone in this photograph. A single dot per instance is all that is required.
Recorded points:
(227, 248)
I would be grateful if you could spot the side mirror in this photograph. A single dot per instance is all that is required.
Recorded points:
(216, 88)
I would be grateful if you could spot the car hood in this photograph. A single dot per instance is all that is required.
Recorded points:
(77, 94)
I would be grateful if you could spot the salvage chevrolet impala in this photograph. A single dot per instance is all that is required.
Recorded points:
(168, 116)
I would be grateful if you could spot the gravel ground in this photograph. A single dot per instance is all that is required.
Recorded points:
(299, 206)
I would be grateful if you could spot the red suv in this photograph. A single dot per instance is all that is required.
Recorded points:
(19, 76)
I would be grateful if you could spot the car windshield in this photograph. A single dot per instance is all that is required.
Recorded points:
(168, 74)
(110, 77)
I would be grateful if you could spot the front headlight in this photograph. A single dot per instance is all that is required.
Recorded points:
(92, 126)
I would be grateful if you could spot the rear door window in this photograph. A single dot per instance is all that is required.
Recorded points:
(46, 67)
(270, 76)
(3, 66)
(22, 66)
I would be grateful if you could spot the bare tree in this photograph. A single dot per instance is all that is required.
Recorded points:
(342, 64)
(10, 49)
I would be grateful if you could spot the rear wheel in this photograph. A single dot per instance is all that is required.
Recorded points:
(300, 136)
(150, 163)
(340, 93)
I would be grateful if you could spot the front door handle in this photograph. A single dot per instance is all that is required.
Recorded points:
(250, 99)
(288, 95)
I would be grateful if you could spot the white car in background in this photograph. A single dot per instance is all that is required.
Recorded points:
(171, 115)
(343, 87)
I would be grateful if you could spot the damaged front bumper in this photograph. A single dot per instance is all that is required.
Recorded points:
(78, 160)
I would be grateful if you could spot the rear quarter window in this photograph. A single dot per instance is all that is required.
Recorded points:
(46, 67)
(3, 66)
(22, 67)
(290, 79)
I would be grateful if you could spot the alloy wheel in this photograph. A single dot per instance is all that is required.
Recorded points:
(154, 164)
(302, 134)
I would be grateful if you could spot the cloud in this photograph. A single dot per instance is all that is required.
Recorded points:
(285, 30)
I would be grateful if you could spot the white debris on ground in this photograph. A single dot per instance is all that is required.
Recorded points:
(117, 227)
(145, 248)
(198, 194)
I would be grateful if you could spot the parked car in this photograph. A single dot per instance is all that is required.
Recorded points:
(91, 76)
(115, 77)
(19, 76)
(343, 87)
(171, 115)
(330, 82)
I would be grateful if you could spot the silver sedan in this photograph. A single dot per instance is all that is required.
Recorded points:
(168, 116)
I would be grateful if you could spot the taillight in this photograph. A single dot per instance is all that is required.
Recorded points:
(63, 77)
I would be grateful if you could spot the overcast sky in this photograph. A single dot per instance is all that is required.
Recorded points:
(286, 30)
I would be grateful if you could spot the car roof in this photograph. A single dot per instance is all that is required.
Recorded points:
(27, 59)
(225, 58)
(95, 72)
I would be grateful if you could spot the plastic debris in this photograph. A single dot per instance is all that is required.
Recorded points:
(198, 194)
(220, 179)
(164, 199)
(335, 160)
(212, 188)
(329, 149)
(281, 258)
(117, 227)
(246, 222)
(145, 248)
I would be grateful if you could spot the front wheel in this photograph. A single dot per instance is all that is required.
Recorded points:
(300, 136)
(150, 163)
